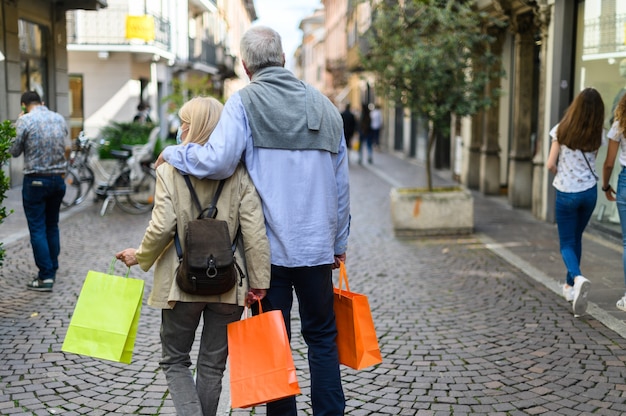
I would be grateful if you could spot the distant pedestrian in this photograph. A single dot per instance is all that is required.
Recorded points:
(239, 204)
(365, 135)
(575, 142)
(173, 122)
(376, 123)
(349, 125)
(42, 136)
(617, 143)
(143, 113)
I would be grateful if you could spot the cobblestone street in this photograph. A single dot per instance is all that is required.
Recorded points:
(469, 325)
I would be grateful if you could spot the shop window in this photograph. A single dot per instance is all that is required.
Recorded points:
(600, 62)
(33, 59)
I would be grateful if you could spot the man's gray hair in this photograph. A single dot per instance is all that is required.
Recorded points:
(261, 47)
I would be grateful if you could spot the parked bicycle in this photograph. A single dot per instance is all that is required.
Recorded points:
(130, 185)
(79, 178)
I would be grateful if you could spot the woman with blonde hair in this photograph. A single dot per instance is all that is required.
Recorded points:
(617, 144)
(239, 205)
(575, 143)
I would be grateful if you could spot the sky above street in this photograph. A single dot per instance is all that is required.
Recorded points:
(285, 16)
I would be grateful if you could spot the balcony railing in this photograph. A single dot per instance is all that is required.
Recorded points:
(604, 35)
(202, 51)
(108, 27)
(216, 56)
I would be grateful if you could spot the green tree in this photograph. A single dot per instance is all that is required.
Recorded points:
(434, 57)
(7, 133)
(185, 89)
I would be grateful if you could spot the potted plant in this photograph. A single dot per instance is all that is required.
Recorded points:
(434, 57)
(119, 134)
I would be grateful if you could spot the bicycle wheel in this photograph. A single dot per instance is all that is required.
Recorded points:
(87, 179)
(72, 190)
(140, 198)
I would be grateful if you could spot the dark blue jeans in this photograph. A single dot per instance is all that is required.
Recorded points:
(573, 211)
(314, 288)
(621, 209)
(41, 197)
(365, 140)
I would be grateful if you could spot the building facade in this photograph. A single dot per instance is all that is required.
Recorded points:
(550, 50)
(33, 56)
(134, 52)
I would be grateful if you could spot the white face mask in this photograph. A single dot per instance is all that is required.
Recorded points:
(179, 136)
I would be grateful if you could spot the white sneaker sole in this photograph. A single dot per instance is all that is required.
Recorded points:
(580, 298)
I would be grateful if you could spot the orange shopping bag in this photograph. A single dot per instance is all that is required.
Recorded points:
(356, 336)
(261, 364)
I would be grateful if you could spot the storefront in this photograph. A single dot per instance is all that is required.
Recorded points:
(33, 56)
(600, 62)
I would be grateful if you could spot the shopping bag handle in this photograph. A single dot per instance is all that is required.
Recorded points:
(246, 307)
(343, 277)
(112, 268)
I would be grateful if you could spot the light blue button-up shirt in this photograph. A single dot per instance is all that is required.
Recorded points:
(305, 193)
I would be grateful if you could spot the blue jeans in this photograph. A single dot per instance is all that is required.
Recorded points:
(365, 140)
(178, 331)
(573, 211)
(621, 209)
(314, 288)
(41, 197)
(375, 137)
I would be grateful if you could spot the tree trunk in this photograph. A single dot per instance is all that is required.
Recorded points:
(431, 141)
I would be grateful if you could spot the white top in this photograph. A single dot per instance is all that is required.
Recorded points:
(574, 174)
(376, 119)
(618, 136)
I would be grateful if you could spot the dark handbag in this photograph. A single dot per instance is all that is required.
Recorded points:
(207, 266)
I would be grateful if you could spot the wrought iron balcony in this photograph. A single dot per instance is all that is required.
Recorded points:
(108, 27)
(215, 56)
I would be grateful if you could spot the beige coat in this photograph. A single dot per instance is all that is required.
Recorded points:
(238, 204)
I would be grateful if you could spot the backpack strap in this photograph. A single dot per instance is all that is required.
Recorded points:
(210, 211)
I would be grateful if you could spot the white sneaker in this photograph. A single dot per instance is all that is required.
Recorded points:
(568, 292)
(581, 290)
(621, 304)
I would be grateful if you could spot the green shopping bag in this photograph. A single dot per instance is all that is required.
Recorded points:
(106, 317)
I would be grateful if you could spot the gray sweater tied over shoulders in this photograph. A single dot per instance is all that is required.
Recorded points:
(286, 113)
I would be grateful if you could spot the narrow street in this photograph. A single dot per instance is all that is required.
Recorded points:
(469, 325)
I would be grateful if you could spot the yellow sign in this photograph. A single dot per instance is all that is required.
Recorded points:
(140, 27)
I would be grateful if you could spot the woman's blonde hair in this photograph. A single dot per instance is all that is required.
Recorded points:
(201, 114)
(620, 114)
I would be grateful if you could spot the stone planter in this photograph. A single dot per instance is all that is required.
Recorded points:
(445, 211)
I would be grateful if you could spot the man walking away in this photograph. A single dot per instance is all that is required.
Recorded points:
(376, 118)
(349, 125)
(42, 136)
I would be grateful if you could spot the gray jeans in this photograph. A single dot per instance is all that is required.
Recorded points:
(178, 331)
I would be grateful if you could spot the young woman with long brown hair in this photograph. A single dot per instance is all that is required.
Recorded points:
(575, 143)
